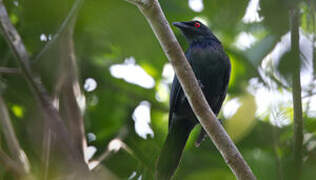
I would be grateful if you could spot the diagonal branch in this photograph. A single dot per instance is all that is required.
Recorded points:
(67, 89)
(155, 17)
(63, 27)
(110, 148)
(50, 113)
(70, 92)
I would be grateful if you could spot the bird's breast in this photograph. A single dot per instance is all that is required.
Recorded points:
(204, 59)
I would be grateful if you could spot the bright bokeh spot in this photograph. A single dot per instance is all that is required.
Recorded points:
(196, 5)
(277, 103)
(312, 106)
(90, 84)
(167, 73)
(17, 111)
(231, 107)
(244, 40)
(163, 89)
(132, 73)
(284, 46)
(115, 145)
(91, 137)
(252, 12)
(43, 37)
(162, 94)
(271, 103)
(141, 116)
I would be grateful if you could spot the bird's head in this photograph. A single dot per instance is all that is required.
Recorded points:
(195, 30)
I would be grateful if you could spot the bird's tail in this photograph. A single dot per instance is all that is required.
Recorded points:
(170, 155)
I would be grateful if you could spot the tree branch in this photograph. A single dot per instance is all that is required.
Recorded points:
(155, 17)
(67, 89)
(108, 151)
(297, 91)
(50, 113)
(70, 91)
(11, 139)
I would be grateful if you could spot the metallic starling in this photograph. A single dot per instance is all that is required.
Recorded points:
(212, 69)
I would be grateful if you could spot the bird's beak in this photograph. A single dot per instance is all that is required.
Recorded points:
(180, 25)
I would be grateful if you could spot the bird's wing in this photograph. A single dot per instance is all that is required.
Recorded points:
(222, 96)
(218, 102)
(176, 92)
(174, 96)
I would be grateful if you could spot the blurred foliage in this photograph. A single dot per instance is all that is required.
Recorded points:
(108, 32)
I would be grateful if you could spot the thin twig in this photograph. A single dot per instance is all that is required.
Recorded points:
(6, 70)
(157, 20)
(108, 151)
(93, 164)
(309, 95)
(296, 94)
(11, 139)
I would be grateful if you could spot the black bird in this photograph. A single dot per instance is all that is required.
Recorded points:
(212, 68)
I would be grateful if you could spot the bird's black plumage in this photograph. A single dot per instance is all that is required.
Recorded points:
(212, 68)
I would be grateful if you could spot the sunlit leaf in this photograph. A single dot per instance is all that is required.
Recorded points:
(17, 111)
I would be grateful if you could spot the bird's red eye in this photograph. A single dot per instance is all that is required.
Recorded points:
(197, 25)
